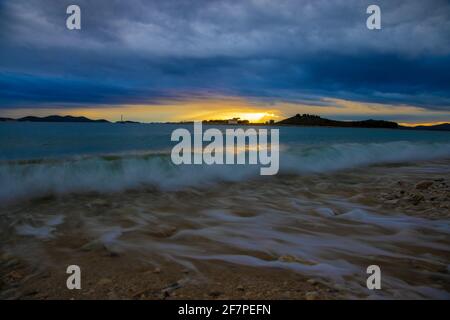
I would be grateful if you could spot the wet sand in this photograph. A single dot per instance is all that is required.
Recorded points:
(289, 237)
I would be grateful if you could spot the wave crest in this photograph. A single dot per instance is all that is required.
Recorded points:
(112, 173)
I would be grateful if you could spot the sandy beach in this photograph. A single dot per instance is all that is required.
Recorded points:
(286, 237)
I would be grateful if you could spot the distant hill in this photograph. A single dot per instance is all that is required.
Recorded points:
(313, 120)
(54, 119)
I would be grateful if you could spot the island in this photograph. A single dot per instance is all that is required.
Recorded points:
(55, 119)
(314, 120)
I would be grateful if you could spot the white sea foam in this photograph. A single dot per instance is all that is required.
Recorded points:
(24, 180)
(43, 231)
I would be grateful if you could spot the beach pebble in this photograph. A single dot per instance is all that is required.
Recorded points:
(113, 295)
(287, 258)
(163, 231)
(215, 294)
(170, 288)
(14, 275)
(402, 183)
(157, 270)
(104, 282)
(327, 212)
(423, 185)
(416, 198)
(112, 252)
(312, 295)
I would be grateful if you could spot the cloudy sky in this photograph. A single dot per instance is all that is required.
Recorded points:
(259, 59)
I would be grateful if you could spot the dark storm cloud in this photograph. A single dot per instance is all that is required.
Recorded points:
(143, 51)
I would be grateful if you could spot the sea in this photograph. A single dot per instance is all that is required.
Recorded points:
(344, 199)
(38, 159)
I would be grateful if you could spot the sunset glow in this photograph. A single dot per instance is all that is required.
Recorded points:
(256, 111)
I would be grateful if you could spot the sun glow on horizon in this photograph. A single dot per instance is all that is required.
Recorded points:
(250, 116)
(228, 107)
(413, 124)
(166, 111)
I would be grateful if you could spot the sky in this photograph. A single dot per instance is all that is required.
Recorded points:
(181, 60)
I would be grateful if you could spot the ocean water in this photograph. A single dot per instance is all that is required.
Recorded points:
(63, 189)
(40, 159)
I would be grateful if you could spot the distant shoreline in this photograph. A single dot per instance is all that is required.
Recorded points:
(304, 120)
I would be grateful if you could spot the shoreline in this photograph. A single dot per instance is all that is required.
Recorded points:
(352, 124)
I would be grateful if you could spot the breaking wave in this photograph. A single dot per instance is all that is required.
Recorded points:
(43, 177)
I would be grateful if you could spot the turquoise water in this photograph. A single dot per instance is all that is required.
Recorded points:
(44, 140)
(47, 158)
